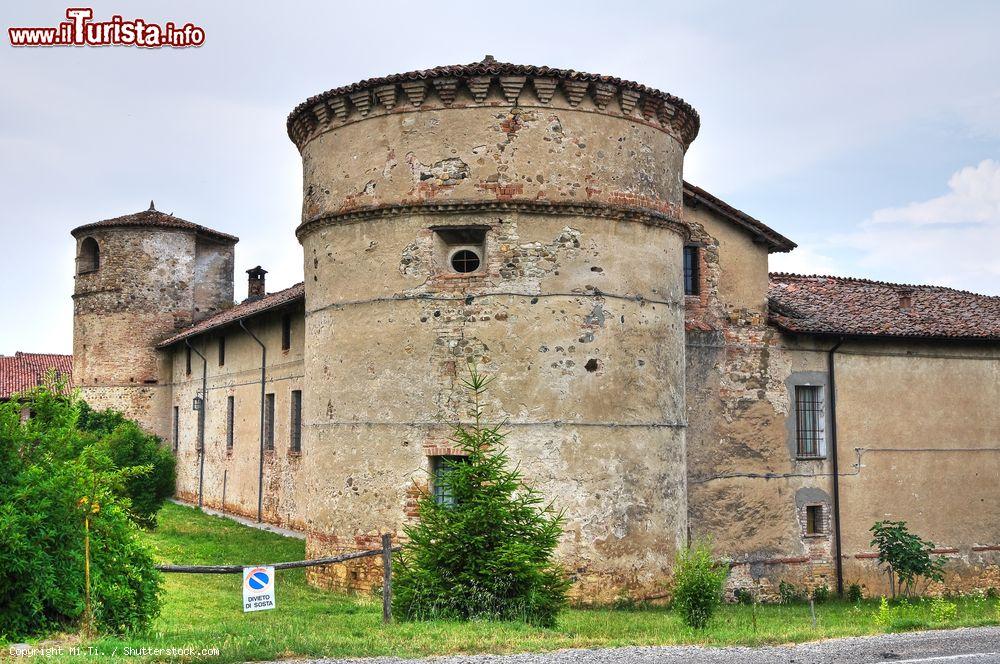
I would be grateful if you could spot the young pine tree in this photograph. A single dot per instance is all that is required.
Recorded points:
(484, 546)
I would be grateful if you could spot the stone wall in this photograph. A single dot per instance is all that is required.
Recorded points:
(577, 309)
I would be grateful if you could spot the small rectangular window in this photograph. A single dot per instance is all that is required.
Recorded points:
(692, 284)
(441, 467)
(269, 421)
(222, 351)
(230, 416)
(295, 436)
(809, 421)
(286, 332)
(187, 361)
(814, 520)
(177, 427)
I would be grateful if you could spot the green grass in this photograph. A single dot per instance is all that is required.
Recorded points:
(205, 611)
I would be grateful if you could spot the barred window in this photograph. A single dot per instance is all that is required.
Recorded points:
(809, 421)
(692, 285)
(295, 437)
(230, 412)
(441, 466)
(269, 421)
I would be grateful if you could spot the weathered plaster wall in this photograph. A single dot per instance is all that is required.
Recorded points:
(578, 312)
(235, 472)
(919, 440)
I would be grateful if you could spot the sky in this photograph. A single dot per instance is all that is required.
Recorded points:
(867, 132)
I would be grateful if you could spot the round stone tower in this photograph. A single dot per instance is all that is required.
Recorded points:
(139, 278)
(524, 219)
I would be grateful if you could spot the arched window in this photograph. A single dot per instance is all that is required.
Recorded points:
(90, 256)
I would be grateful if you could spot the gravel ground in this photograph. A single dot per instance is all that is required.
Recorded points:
(961, 646)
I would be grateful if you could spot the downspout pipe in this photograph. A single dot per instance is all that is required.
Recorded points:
(260, 460)
(201, 421)
(837, 540)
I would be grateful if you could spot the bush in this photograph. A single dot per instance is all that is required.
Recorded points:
(788, 593)
(698, 583)
(487, 551)
(130, 447)
(54, 479)
(743, 596)
(904, 556)
(854, 593)
(821, 594)
(942, 610)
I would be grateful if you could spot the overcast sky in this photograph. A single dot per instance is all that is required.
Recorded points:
(867, 132)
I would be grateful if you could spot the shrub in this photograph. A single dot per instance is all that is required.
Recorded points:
(942, 610)
(54, 479)
(743, 596)
(991, 593)
(698, 584)
(488, 550)
(904, 556)
(854, 593)
(821, 594)
(788, 593)
(130, 447)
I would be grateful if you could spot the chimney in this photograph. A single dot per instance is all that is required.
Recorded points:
(905, 299)
(255, 284)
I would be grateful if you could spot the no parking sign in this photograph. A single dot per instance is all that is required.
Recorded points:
(258, 588)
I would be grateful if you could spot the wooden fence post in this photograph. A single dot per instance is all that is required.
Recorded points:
(387, 578)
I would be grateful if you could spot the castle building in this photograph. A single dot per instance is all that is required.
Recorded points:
(658, 383)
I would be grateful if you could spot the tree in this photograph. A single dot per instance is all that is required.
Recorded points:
(72, 554)
(904, 556)
(484, 547)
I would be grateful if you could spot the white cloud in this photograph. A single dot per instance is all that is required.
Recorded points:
(806, 259)
(974, 197)
(948, 240)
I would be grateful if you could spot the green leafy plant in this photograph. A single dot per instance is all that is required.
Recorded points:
(698, 583)
(72, 554)
(788, 593)
(130, 447)
(942, 610)
(854, 593)
(821, 594)
(904, 557)
(487, 550)
(743, 596)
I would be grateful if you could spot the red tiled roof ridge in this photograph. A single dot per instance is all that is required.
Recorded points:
(873, 282)
(238, 312)
(154, 218)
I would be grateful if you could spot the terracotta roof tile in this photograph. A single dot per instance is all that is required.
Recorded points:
(155, 218)
(23, 371)
(775, 241)
(861, 307)
(238, 312)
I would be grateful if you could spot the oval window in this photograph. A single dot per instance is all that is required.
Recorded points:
(465, 260)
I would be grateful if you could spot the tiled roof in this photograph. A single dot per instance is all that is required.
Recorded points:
(23, 371)
(239, 312)
(490, 67)
(860, 307)
(155, 218)
(775, 241)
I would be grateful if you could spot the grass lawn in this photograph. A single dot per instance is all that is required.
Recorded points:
(205, 612)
